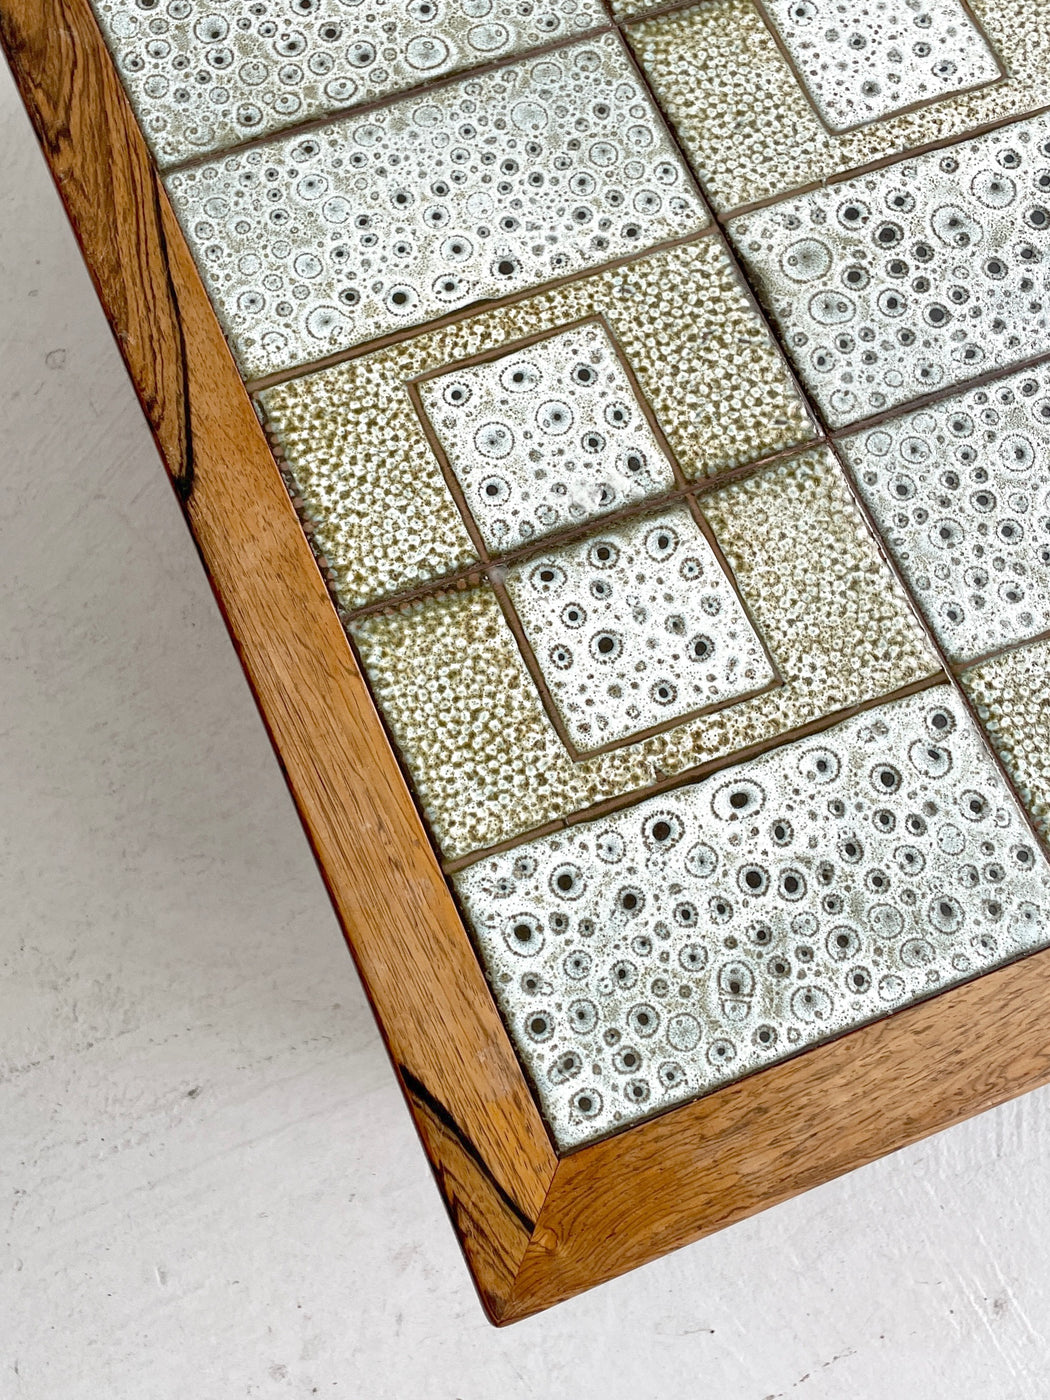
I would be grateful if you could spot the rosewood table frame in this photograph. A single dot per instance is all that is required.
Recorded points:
(535, 1227)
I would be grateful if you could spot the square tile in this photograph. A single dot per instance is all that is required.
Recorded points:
(1010, 693)
(651, 956)
(861, 63)
(636, 628)
(961, 494)
(749, 127)
(547, 435)
(481, 188)
(915, 277)
(206, 74)
(381, 513)
(485, 760)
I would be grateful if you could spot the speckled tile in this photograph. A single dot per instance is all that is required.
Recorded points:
(1010, 693)
(961, 494)
(648, 957)
(547, 435)
(918, 276)
(381, 512)
(486, 762)
(860, 63)
(206, 74)
(636, 627)
(480, 188)
(749, 128)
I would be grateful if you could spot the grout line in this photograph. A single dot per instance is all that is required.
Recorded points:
(938, 650)
(959, 668)
(470, 574)
(840, 177)
(936, 396)
(475, 308)
(697, 772)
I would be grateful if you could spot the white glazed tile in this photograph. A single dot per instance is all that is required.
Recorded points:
(861, 62)
(919, 275)
(205, 74)
(636, 627)
(649, 957)
(483, 187)
(549, 435)
(961, 494)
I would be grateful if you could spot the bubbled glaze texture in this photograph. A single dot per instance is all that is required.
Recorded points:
(749, 127)
(636, 627)
(860, 63)
(914, 277)
(370, 481)
(483, 187)
(206, 74)
(1010, 692)
(650, 956)
(961, 493)
(485, 760)
(546, 436)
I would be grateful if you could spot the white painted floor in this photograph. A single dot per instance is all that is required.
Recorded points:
(209, 1186)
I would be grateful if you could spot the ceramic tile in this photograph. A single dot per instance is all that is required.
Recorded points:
(961, 494)
(483, 187)
(1010, 693)
(918, 276)
(485, 760)
(546, 436)
(651, 956)
(749, 128)
(206, 74)
(636, 627)
(860, 63)
(371, 484)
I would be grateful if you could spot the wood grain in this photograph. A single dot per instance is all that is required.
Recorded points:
(679, 1177)
(534, 1230)
(472, 1106)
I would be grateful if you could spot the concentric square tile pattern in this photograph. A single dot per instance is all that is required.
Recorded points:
(503, 351)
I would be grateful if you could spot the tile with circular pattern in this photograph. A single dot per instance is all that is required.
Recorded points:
(637, 628)
(479, 188)
(648, 957)
(547, 435)
(861, 62)
(961, 493)
(912, 278)
(206, 74)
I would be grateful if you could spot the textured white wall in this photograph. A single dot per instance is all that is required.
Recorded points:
(209, 1187)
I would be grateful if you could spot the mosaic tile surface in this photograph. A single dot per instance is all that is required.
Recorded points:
(917, 276)
(862, 62)
(485, 760)
(205, 74)
(549, 435)
(635, 627)
(752, 132)
(1010, 693)
(961, 494)
(483, 187)
(647, 957)
(381, 512)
